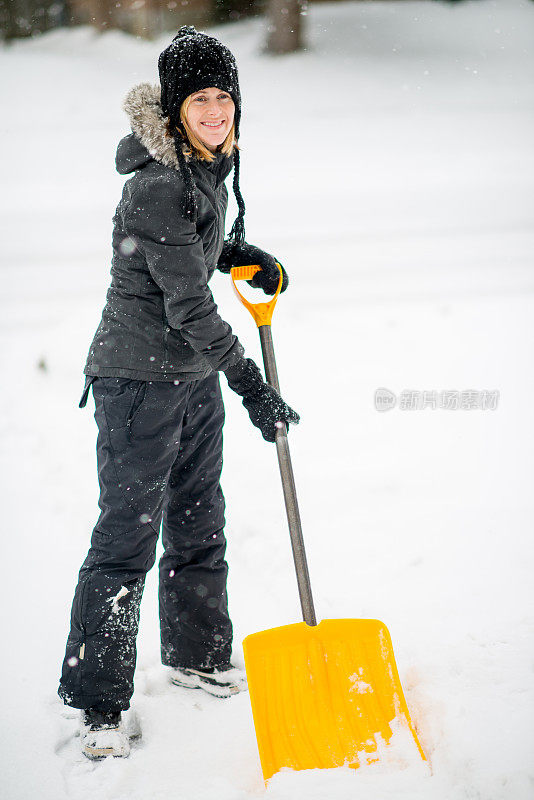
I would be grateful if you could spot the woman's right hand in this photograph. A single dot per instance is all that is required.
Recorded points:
(266, 408)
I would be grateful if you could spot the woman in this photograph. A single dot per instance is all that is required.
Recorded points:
(153, 366)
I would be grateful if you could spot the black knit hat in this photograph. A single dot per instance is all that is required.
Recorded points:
(195, 61)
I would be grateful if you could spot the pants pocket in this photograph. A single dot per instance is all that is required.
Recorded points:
(85, 394)
(121, 399)
(139, 393)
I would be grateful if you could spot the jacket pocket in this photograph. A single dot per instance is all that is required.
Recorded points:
(166, 332)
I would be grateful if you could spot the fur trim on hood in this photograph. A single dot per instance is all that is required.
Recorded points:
(143, 107)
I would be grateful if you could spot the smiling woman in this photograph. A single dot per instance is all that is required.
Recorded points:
(154, 368)
(208, 117)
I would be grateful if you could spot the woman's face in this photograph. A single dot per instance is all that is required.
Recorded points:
(210, 116)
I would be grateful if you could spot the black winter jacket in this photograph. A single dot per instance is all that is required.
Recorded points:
(160, 321)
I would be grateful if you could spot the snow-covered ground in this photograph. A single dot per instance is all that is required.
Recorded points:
(391, 168)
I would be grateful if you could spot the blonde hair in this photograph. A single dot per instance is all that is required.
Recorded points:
(195, 146)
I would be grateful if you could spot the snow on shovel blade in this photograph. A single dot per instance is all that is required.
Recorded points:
(326, 696)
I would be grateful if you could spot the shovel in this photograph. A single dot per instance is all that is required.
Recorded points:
(324, 694)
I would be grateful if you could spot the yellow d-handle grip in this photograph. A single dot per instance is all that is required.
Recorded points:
(262, 312)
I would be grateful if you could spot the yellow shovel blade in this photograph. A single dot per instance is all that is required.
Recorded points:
(324, 696)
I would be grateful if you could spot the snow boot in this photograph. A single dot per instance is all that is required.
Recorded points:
(103, 734)
(222, 682)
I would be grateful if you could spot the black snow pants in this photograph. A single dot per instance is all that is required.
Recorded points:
(159, 455)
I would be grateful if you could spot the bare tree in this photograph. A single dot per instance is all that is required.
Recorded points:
(26, 17)
(285, 34)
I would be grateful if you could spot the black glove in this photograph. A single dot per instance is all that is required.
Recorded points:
(240, 255)
(263, 403)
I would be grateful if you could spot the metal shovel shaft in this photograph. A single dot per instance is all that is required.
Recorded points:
(288, 484)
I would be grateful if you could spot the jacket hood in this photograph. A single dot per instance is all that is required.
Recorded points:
(150, 139)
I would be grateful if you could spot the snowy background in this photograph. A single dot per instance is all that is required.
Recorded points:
(391, 169)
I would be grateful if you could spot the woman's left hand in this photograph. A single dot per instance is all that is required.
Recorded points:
(235, 255)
